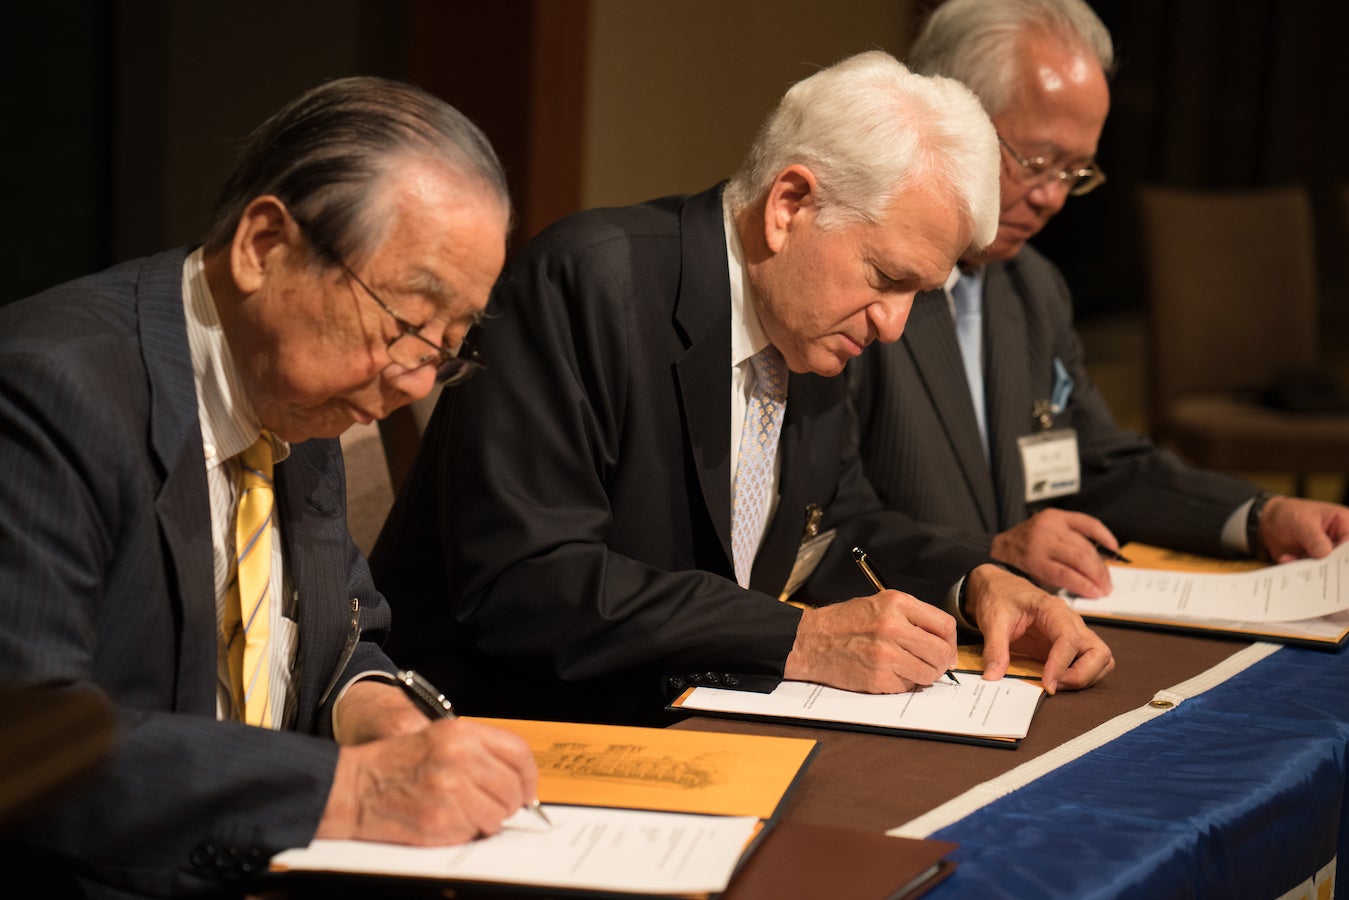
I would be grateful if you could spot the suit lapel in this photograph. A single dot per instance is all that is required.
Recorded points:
(183, 505)
(1008, 382)
(703, 314)
(930, 337)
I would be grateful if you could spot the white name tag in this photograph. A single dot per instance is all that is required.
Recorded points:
(1050, 462)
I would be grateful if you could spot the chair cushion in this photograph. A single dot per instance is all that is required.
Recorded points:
(1236, 432)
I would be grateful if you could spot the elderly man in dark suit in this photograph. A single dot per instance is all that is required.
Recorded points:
(141, 408)
(982, 420)
(665, 453)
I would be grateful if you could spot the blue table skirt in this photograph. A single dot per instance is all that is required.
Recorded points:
(1238, 792)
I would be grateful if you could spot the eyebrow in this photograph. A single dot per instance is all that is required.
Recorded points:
(423, 282)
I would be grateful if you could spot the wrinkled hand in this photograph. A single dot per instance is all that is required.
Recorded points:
(1012, 614)
(444, 784)
(373, 709)
(1293, 528)
(1055, 548)
(884, 644)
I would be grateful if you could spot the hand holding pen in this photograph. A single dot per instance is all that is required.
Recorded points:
(437, 706)
(860, 557)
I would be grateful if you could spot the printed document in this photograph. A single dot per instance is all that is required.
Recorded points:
(1305, 589)
(587, 848)
(974, 708)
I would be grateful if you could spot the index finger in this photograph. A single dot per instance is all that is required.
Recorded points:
(1069, 668)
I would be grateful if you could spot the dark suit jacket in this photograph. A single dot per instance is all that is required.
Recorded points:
(567, 524)
(921, 446)
(106, 574)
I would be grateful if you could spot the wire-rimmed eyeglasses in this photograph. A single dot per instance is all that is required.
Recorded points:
(409, 349)
(1037, 171)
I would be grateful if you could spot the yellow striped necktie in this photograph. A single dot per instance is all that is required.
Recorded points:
(248, 606)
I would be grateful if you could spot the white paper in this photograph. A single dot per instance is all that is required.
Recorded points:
(974, 708)
(1295, 591)
(587, 848)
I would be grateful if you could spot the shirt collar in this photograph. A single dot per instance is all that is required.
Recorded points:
(747, 334)
(229, 424)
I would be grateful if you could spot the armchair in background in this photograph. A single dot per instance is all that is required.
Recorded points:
(1231, 287)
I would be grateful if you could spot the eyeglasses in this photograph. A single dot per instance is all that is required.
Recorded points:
(409, 350)
(1036, 171)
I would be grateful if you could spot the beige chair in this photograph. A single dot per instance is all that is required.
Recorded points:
(1231, 288)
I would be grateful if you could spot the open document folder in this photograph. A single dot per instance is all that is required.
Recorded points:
(642, 811)
(1303, 602)
(993, 713)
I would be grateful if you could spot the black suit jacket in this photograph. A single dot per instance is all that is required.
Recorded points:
(921, 446)
(562, 546)
(106, 577)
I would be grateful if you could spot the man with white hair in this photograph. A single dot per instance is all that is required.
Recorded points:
(663, 453)
(964, 421)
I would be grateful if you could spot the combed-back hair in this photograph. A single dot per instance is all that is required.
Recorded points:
(978, 42)
(326, 152)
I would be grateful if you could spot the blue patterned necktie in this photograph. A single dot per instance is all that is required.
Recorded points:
(753, 487)
(967, 293)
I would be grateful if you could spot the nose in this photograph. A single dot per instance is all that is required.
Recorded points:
(1048, 195)
(403, 387)
(889, 316)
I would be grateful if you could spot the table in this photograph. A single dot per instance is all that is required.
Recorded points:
(1240, 791)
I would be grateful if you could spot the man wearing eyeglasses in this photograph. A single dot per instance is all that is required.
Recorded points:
(665, 452)
(982, 419)
(172, 512)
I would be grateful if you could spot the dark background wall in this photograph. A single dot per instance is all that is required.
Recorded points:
(121, 115)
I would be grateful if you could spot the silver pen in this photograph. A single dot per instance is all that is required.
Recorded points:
(437, 706)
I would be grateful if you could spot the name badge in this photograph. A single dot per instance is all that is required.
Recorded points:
(1049, 460)
(808, 557)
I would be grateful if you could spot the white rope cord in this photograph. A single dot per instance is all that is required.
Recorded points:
(1162, 702)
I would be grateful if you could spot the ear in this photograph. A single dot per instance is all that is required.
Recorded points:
(793, 199)
(265, 234)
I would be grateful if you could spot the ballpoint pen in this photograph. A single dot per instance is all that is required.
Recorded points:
(1110, 554)
(436, 705)
(859, 556)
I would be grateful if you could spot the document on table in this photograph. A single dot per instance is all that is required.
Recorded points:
(1295, 591)
(985, 711)
(587, 848)
(628, 767)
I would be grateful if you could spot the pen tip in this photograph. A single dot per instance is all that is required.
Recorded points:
(858, 553)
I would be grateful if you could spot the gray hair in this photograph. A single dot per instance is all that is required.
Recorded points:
(325, 153)
(869, 129)
(977, 42)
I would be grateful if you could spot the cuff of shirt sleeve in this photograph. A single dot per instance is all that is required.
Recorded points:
(359, 676)
(954, 603)
(1234, 530)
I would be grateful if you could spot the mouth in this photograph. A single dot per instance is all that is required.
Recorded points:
(1017, 229)
(360, 415)
(853, 347)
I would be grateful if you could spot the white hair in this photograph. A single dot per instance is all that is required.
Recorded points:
(978, 42)
(869, 130)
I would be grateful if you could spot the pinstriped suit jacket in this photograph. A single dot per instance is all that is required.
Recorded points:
(920, 444)
(105, 580)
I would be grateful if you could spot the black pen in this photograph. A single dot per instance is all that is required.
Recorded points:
(859, 556)
(436, 705)
(1111, 554)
